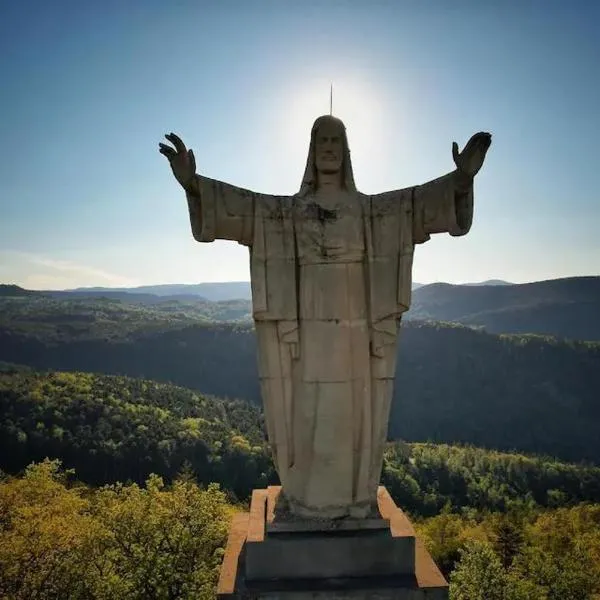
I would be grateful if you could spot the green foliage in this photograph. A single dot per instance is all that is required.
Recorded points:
(160, 543)
(68, 541)
(523, 393)
(424, 478)
(121, 541)
(57, 318)
(500, 525)
(535, 555)
(454, 384)
(112, 428)
(479, 575)
(118, 429)
(45, 534)
(162, 536)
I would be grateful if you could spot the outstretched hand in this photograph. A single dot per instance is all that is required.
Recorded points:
(182, 161)
(470, 160)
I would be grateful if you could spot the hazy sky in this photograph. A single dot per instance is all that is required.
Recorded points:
(89, 88)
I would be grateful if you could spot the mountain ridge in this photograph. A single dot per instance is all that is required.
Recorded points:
(213, 291)
(568, 307)
(454, 383)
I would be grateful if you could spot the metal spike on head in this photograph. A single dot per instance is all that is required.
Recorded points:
(331, 100)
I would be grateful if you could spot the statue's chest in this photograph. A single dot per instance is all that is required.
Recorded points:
(334, 233)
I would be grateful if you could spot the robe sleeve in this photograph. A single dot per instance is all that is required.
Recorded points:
(442, 205)
(221, 211)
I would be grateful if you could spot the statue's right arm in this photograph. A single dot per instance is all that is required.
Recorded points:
(219, 210)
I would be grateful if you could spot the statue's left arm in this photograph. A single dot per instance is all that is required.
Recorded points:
(442, 205)
(402, 218)
(446, 203)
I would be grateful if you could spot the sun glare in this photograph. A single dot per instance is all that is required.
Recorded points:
(357, 102)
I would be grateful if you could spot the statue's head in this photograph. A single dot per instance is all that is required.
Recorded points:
(328, 154)
(329, 145)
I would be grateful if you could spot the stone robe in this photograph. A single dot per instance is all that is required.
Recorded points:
(328, 293)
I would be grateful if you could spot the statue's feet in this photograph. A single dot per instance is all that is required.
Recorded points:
(282, 510)
(364, 510)
(287, 509)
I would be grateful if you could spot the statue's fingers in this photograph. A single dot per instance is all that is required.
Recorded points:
(455, 151)
(176, 141)
(192, 159)
(474, 140)
(483, 137)
(166, 150)
(483, 143)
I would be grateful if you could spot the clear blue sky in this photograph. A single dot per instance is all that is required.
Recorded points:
(89, 88)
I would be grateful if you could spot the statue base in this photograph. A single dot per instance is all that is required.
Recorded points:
(292, 560)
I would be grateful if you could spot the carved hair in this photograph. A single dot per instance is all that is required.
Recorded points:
(309, 181)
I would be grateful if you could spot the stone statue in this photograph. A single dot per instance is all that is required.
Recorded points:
(331, 277)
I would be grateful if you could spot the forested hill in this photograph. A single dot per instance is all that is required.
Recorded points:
(119, 429)
(454, 384)
(81, 314)
(523, 527)
(568, 308)
(112, 428)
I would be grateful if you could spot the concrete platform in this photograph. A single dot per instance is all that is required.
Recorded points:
(375, 558)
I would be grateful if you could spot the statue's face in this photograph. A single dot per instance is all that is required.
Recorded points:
(329, 148)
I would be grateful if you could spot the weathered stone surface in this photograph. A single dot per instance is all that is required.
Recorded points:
(347, 563)
(331, 277)
(287, 522)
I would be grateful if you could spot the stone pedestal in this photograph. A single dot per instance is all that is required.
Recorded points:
(292, 560)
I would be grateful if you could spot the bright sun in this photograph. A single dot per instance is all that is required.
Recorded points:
(356, 102)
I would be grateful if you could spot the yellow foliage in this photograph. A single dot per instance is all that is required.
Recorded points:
(445, 534)
(241, 443)
(120, 541)
(45, 532)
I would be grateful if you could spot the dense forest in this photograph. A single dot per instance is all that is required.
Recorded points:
(111, 428)
(126, 444)
(60, 539)
(454, 384)
(502, 526)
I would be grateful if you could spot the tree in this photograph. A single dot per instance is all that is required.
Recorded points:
(163, 543)
(507, 538)
(479, 574)
(45, 536)
(60, 542)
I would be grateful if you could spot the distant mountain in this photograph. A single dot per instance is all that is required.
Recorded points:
(14, 290)
(568, 308)
(213, 291)
(491, 282)
(125, 296)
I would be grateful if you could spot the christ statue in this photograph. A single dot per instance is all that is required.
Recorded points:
(331, 277)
